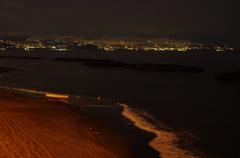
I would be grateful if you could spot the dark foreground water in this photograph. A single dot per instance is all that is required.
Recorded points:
(197, 112)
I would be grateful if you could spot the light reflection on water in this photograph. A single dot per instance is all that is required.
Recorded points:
(57, 97)
(65, 98)
(50, 96)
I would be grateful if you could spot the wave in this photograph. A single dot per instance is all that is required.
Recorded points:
(164, 142)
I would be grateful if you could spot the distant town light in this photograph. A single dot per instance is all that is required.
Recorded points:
(2, 49)
(156, 45)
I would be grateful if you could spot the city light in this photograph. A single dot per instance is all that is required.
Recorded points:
(158, 45)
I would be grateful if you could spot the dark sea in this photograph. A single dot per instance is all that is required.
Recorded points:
(191, 114)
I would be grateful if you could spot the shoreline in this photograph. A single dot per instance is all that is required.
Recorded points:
(119, 134)
(126, 123)
(132, 129)
(39, 128)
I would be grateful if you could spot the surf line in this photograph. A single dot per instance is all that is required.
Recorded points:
(164, 142)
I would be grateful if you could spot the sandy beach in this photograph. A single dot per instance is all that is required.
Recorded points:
(34, 127)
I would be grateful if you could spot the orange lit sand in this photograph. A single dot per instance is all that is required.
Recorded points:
(31, 128)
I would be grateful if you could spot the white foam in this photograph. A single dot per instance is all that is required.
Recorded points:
(164, 142)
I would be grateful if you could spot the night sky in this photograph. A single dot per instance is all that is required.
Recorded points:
(189, 18)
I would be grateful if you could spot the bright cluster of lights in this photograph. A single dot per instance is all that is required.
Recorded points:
(159, 45)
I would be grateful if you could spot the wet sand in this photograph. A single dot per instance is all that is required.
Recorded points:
(35, 127)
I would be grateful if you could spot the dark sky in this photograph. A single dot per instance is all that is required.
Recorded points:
(205, 18)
